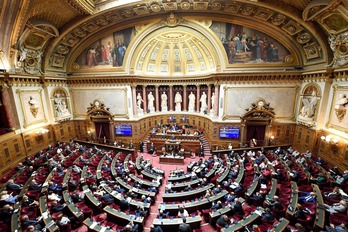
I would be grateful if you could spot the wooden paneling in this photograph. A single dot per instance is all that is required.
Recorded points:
(12, 151)
(304, 138)
(283, 133)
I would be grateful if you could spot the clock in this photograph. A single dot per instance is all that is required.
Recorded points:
(260, 103)
(97, 103)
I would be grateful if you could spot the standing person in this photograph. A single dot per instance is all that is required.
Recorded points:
(184, 227)
(141, 146)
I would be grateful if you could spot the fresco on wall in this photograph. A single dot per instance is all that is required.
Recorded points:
(244, 45)
(106, 52)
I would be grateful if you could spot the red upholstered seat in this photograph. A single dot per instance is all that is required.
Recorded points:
(338, 218)
(218, 227)
(306, 221)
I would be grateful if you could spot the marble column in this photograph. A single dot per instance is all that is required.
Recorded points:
(198, 97)
(134, 96)
(185, 99)
(171, 97)
(144, 98)
(209, 98)
(217, 102)
(157, 98)
(6, 102)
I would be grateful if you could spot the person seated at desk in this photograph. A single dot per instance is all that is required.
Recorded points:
(155, 229)
(337, 228)
(223, 221)
(26, 222)
(321, 179)
(28, 202)
(13, 186)
(188, 188)
(131, 227)
(7, 197)
(6, 213)
(334, 195)
(267, 215)
(162, 214)
(216, 206)
(35, 186)
(124, 205)
(141, 211)
(107, 198)
(55, 207)
(77, 197)
(182, 212)
(340, 207)
(307, 197)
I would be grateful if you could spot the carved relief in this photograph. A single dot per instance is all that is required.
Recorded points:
(309, 106)
(339, 45)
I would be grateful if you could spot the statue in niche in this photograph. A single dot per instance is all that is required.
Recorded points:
(164, 99)
(203, 101)
(309, 106)
(60, 105)
(178, 100)
(139, 101)
(150, 99)
(192, 100)
(213, 101)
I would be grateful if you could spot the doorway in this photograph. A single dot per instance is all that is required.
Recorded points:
(258, 133)
(102, 129)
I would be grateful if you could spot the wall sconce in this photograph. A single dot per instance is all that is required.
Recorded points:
(329, 139)
(41, 132)
(271, 138)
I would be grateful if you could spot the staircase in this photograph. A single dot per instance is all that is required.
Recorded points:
(206, 145)
(146, 141)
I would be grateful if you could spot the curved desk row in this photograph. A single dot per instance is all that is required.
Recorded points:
(135, 190)
(181, 186)
(122, 218)
(193, 206)
(143, 182)
(174, 223)
(188, 195)
(71, 206)
(46, 217)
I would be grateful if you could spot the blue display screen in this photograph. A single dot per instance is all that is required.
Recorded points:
(123, 129)
(229, 132)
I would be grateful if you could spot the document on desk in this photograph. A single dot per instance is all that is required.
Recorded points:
(258, 212)
(103, 229)
(93, 225)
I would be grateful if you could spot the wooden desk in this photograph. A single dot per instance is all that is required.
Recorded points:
(135, 190)
(124, 150)
(181, 186)
(320, 214)
(273, 189)
(280, 226)
(15, 224)
(252, 187)
(121, 217)
(71, 206)
(193, 206)
(99, 169)
(144, 182)
(293, 200)
(172, 225)
(242, 223)
(171, 160)
(66, 178)
(46, 217)
(92, 199)
(186, 195)
(94, 226)
(179, 178)
(134, 203)
(225, 173)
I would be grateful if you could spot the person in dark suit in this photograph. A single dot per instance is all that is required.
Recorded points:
(216, 206)
(35, 186)
(56, 208)
(107, 198)
(25, 222)
(184, 227)
(223, 221)
(6, 213)
(124, 205)
(141, 146)
(307, 197)
(238, 208)
(155, 229)
(267, 215)
(13, 186)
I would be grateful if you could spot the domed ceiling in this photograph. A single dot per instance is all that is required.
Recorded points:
(174, 53)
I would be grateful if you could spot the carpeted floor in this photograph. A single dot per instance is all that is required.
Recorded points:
(205, 227)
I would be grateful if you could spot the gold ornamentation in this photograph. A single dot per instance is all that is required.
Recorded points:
(232, 8)
(292, 27)
(185, 5)
(247, 10)
(155, 8)
(311, 51)
(102, 21)
(303, 38)
(340, 113)
(79, 32)
(278, 20)
(127, 13)
(216, 6)
(339, 45)
(62, 49)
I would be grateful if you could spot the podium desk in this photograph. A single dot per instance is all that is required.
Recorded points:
(171, 160)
